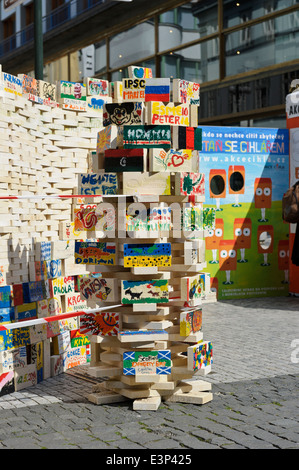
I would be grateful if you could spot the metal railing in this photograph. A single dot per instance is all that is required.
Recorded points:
(57, 17)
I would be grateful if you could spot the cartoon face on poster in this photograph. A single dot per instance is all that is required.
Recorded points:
(247, 172)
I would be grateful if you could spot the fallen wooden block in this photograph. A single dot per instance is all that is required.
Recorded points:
(198, 398)
(148, 404)
(104, 397)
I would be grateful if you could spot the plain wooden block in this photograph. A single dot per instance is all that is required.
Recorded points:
(103, 370)
(198, 398)
(194, 385)
(104, 397)
(147, 404)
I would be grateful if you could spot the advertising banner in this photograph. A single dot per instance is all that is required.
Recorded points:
(247, 173)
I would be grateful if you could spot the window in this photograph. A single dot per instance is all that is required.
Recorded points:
(198, 63)
(265, 44)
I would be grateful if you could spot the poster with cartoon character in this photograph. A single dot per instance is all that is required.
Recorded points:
(247, 172)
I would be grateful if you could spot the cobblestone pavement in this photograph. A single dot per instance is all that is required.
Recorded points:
(254, 383)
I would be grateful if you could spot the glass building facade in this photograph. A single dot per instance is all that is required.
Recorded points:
(244, 54)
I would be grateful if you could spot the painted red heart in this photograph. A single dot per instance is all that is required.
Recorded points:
(177, 160)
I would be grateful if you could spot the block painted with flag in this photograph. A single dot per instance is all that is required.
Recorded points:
(157, 89)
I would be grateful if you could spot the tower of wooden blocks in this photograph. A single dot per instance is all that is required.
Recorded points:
(145, 251)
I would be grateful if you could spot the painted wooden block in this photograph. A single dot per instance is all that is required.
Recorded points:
(200, 356)
(53, 329)
(77, 339)
(147, 136)
(157, 89)
(97, 183)
(97, 253)
(107, 138)
(173, 160)
(54, 268)
(42, 308)
(54, 306)
(142, 336)
(11, 84)
(121, 160)
(120, 114)
(47, 91)
(206, 282)
(186, 92)
(97, 87)
(37, 358)
(100, 323)
(9, 360)
(191, 288)
(187, 137)
(116, 91)
(63, 285)
(26, 311)
(147, 362)
(4, 270)
(187, 184)
(74, 303)
(190, 322)
(147, 254)
(70, 91)
(7, 314)
(38, 333)
(29, 85)
(57, 365)
(192, 219)
(154, 291)
(168, 113)
(6, 296)
(43, 251)
(68, 231)
(75, 357)
(135, 71)
(209, 218)
(35, 291)
(94, 107)
(68, 324)
(133, 89)
(7, 385)
(146, 184)
(85, 217)
(61, 342)
(98, 289)
(191, 252)
(25, 377)
(156, 219)
(62, 249)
